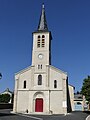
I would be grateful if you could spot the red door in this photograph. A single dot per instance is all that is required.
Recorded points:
(39, 105)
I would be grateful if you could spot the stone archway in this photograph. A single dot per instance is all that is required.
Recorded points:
(38, 102)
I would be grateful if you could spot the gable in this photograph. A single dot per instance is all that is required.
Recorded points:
(58, 71)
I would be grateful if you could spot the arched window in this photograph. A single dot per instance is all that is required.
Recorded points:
(39, 79)
(24, 84)
(38, 36)
(43, 36)
(43, 41)
(38, 41)
(55, 83)
(39, 66)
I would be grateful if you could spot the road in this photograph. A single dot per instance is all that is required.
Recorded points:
(6, 115)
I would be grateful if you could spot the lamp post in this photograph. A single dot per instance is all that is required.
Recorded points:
(0, 75)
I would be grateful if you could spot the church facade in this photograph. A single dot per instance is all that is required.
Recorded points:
(41, 88)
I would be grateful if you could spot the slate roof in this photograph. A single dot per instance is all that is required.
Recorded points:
(42, 22)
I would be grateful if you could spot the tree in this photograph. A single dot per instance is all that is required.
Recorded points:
(0, 75)
(85, 90)
(4, 98)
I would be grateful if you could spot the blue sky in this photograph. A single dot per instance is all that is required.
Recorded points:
(69, 22)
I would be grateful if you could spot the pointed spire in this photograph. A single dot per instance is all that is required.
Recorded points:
(42, 22)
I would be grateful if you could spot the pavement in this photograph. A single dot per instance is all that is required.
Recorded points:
(6, 115)
(88, 117)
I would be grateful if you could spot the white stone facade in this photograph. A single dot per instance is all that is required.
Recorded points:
(71, 93)
(54, 99)
(41, 88)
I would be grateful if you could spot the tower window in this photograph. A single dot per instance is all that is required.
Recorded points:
(43, 45)
(38, 36)
(39, 66)
(38, 45)
(40, 41)
(39, 79)
(24, 84)
(55, 83)
(43, 41)
(43, 36)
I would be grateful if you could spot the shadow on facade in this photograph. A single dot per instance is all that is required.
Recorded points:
(69, 108)
(6, 114)
(6, 105)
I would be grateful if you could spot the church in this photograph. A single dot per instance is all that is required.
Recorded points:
(41, 88)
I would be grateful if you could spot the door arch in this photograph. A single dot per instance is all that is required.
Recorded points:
(38, 102)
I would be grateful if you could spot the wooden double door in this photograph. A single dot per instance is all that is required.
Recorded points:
(39, 105)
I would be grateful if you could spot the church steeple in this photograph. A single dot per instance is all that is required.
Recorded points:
(42, 22)
(41, 53)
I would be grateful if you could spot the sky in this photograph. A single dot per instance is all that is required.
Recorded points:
(69, 23)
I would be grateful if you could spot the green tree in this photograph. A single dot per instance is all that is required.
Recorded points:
(4, 98)
(0, 75)
(85, 90)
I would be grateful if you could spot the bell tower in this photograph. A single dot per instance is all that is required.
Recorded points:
(41, 53)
